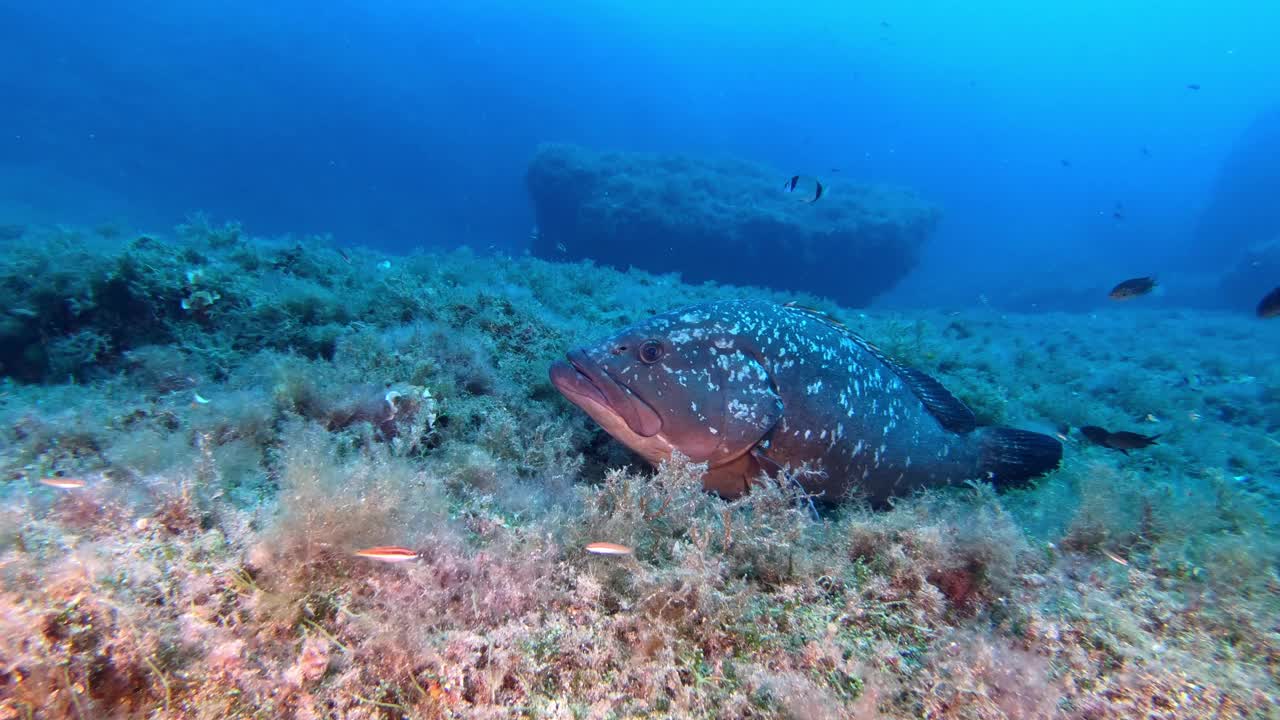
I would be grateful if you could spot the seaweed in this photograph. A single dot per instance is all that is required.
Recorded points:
(235, 457)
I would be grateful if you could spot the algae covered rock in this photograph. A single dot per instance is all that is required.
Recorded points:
(1252, 276)
(724, 220)
(1242, 210)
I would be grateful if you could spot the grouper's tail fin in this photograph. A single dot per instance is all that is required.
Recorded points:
(1011, 457)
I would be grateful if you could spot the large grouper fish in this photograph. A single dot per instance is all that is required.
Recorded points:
(754, 388)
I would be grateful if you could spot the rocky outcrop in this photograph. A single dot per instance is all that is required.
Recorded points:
(724, 220)
(1254, 275)
(1242, 211)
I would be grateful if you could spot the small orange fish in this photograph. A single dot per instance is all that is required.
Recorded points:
(607, 548)
(388, 553)
(63, 483)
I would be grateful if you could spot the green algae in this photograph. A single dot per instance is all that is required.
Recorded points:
(211, 524)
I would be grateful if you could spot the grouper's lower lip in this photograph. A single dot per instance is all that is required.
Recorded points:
(585, 383)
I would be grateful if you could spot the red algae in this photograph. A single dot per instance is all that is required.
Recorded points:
(210, 572)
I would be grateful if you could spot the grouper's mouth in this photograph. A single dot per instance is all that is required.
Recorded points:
(589, 386)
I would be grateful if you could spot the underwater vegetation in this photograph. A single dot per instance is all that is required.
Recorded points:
(200, 431)
(725, 220)
(755, 388)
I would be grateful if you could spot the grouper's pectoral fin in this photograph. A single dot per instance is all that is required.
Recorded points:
(733, 479)
(770, 467)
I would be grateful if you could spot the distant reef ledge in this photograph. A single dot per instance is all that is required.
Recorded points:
(724, 220)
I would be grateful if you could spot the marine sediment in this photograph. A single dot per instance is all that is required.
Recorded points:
(199, 510)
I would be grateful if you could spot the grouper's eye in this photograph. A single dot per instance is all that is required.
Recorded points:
(651, 351)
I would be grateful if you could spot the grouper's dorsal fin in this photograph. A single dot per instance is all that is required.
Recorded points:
(953, 414)
(950, 412)
(815, 312)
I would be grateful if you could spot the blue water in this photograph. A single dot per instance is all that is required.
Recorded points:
(399, 124)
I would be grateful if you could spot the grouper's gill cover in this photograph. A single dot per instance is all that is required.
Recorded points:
(747, 386)
(681, 380)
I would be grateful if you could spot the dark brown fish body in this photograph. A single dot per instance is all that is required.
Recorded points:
(1270, 305)
(1095, 434)
(1132, 288)
(750, 386)
(1122, 440)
